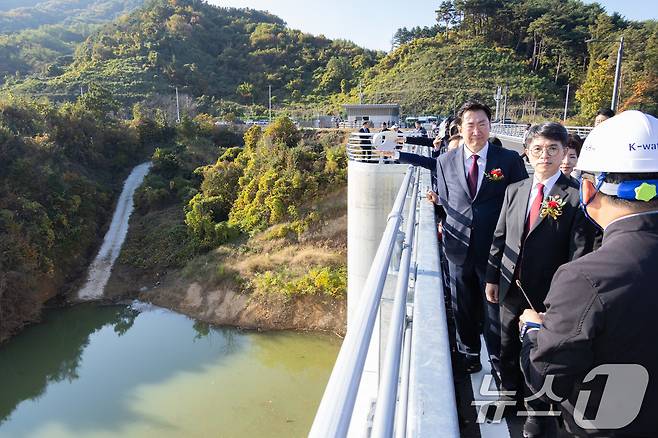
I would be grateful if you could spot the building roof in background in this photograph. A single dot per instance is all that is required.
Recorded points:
(372, 106)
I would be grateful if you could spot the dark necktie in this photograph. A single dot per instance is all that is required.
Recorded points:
(535, 208)
(473, 177)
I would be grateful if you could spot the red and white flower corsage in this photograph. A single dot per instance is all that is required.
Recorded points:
(552, 206)
(495, 175)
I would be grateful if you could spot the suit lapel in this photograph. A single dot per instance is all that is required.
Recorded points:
(492, 163)
(558, 189)
(522, 196)
(458, 165)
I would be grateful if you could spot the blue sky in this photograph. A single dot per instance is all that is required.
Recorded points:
(372, 23)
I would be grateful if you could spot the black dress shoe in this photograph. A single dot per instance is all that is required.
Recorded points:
(535, 427)
(472, 364)
(508, 405)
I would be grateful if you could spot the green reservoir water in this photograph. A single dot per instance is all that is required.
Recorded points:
(141, 371)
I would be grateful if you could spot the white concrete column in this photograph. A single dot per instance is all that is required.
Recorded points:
(371, 192)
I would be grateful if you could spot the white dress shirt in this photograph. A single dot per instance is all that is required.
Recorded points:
(548, 186)
(482, 163)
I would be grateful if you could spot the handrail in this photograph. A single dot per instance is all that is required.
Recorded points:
(359, 148)
(432, 406)
(517, 130)
(416, 367)
(401, 414)
(335, 411)
(388, 388)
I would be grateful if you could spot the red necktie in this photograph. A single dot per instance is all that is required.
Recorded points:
(473, 177)
(534, 209)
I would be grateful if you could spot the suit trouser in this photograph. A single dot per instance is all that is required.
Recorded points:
(510, 348)
(472, 312)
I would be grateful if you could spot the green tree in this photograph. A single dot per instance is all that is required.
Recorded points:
(99, 101)
(282, 130)
(596, 91)
(446, 14)
(246, 91)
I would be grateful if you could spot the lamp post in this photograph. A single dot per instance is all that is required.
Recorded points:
(620, 54)
(615, 88)
(566, 103)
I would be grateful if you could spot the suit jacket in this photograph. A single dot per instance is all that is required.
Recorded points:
(549, 244)
(469, 224)
(423, 141)
(601, 309)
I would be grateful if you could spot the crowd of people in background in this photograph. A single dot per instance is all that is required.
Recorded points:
(551, 268)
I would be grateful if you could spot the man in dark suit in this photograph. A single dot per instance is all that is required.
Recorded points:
(364, 127)
(540, 228)
(419, 129)
(595, 346)
(471, 182)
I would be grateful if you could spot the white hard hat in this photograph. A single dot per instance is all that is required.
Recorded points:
(625, 143)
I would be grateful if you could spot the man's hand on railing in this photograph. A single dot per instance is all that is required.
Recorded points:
(432, 197)
(387, 154)
(491, 291)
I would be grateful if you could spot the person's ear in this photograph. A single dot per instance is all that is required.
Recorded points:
(589, 191)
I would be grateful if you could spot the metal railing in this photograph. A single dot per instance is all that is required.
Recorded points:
(415, 395)
(388, 388)
(517, 131)
(349, 125)
(359, 148)
(335, 411)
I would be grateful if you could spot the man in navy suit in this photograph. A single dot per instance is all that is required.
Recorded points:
(471, 183)
(540, 228)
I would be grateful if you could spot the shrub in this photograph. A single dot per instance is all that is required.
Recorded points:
(282, 130)
(329, 281)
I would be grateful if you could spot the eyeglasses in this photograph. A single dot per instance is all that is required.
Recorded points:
(552, 151)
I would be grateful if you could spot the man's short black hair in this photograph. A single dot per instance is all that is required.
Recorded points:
(474, 105)
(365, 122)
(606, 112)
(550, 130)
(637, 206)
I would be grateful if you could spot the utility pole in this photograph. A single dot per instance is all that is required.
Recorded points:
(177, 107)
(497, 98)
(617, 84)
(566, 104)
(270, 102)
(81, 92)
(360, 94)
(505, 105)
(615, 89)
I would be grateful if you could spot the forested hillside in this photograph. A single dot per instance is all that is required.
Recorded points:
(209, 53)
(40, 36)
(61, 170)
(536, 47)
(260, 226)
(429, 75)
(17, 15)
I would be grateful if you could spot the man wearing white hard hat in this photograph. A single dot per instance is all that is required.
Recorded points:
(595, 348)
